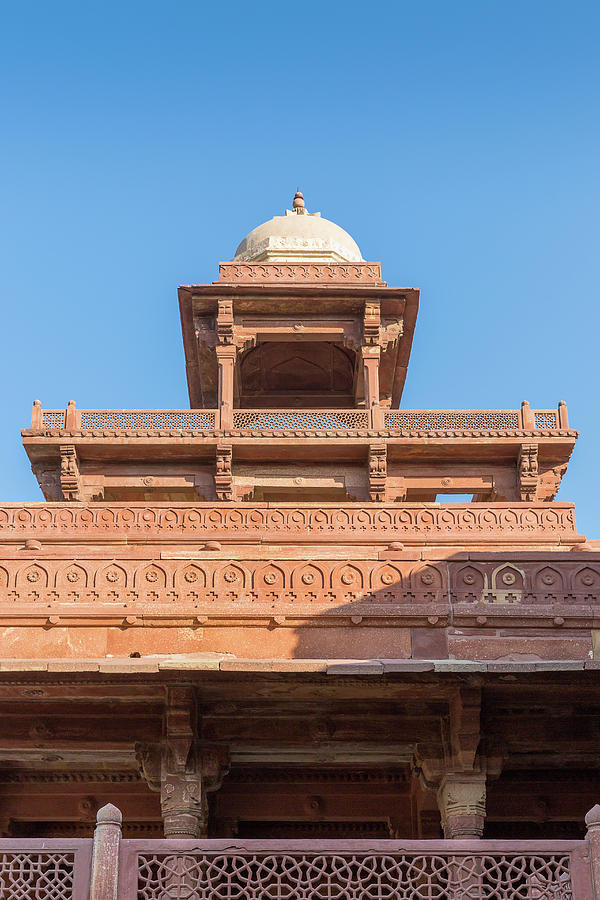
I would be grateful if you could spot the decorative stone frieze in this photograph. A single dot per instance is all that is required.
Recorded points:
(501, 522)
(301, 273)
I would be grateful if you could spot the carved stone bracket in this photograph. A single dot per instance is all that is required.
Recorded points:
(390, 332)
(70, 480)
(225, 321)
(183, 769)
(377, 471)
(223, 472)
(459, 767)
(528, 470)
(372, 321)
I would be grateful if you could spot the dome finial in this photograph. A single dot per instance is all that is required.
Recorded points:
(298, 204)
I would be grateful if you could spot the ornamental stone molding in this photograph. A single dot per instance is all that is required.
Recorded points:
(502, 521)
(303, 273)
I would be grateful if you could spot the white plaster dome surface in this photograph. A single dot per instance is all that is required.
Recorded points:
(298, 236)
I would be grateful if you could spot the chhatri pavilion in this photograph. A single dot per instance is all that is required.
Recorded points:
(274, 615)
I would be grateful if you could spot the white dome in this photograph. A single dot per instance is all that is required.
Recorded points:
(296, 237)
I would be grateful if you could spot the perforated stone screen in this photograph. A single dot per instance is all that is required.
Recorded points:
(352, 876)
(431, 420)
(300, 420)
(37, 876)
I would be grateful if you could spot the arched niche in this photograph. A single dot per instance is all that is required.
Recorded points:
(296, 374)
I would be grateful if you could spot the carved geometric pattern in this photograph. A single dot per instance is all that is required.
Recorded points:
(299, 419)
(348, 876)
(54, 418)
(546, 419)
(36, 876)
(467, 418)
(162, 419)
(134, 419)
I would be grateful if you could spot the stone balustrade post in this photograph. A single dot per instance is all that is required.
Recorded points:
(36, 416)
(527, 417)
(71, 417)
(104, 880)
(563, 416)
(377, 418)
(592, 821)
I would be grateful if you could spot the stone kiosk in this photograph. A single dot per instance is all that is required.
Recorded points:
(265, 619)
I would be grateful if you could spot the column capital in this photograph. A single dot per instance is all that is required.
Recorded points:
(461, 799)
(370, 351)
(226, 351)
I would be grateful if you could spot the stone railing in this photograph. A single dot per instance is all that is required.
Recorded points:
(474, 420)
(321, 422)
(234, 868)
(72, 419)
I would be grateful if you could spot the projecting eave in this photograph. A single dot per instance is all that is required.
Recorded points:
(201, 300)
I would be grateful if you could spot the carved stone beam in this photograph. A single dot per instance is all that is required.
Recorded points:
(377, 472)
(70, 478)
(528, 472)
(462, 729)
(223, 472)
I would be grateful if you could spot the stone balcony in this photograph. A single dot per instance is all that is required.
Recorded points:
(314, 455)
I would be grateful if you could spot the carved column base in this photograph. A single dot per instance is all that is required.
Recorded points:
(184, 824)
(461, 799)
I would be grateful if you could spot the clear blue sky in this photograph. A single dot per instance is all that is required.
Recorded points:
(456, 141)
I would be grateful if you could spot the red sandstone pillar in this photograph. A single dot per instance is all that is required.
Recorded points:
(226, 354)
(370, 356)
(527, 417)
(183, 805)
(105, 859)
